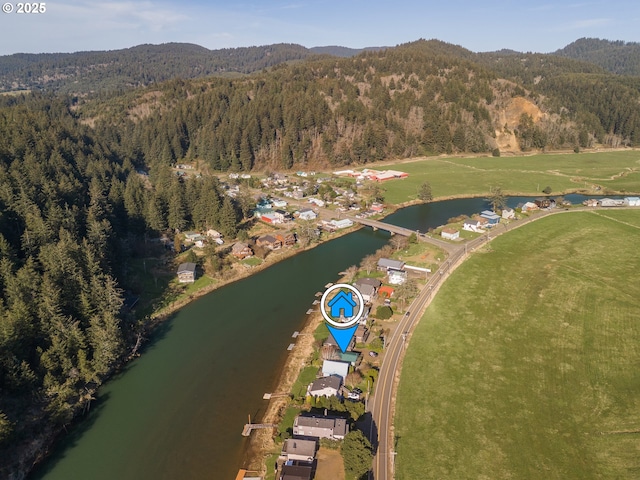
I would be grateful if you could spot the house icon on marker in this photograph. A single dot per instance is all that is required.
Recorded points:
(342, 305)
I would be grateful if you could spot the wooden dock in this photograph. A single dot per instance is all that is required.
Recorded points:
(249, 427)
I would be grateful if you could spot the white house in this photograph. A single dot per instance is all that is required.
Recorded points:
(307, 214)
(317, 201)
(632, 201)
(508, 213)
(334, 367)
(450, 233)
(338, 224)
(397, 277)
(326, 386)
(213, 233)
(279, 203)
(472, 226)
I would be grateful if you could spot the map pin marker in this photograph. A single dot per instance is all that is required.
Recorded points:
(346, 307)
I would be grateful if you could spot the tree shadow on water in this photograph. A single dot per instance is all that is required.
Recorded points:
(69, 437)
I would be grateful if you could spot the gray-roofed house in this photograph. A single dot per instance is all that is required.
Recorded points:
(295, 472)
(298, 450)
(385, 264)
(333, 428)
(367, 291)
(326, 386)
(187, 272)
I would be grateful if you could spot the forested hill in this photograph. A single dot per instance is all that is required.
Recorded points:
(614, 56)
(426, 97)
(73, 215)
(84, 72)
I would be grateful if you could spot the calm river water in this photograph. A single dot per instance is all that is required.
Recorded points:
(177, 411)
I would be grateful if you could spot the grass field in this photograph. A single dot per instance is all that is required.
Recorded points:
(526, 364)
(527, 175)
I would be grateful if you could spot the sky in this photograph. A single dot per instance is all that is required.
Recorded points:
(527, 26)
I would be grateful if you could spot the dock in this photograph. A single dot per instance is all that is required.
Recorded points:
(310, 311)
(290, 347)
(328, 285)
(249, 427)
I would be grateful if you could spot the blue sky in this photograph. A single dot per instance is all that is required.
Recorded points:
(533, 25)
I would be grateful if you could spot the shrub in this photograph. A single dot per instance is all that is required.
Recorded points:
(384, 312)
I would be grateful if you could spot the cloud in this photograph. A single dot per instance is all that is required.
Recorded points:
(586, 23)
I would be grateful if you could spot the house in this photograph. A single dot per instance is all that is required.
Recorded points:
(362, 334)
(269, 241)
(368, 292)
(609, 202)
(271, 218)
(368, 287)
(491, 217)
(187, 272)
(295, 449)
(211, 233)
(384, 264)
(508, 213)
(590, 202)
(333, 428)
(296, 472)
(396, 277)
(472, 225)
(450, 233)
(297, 194)
(529, 206)
(377, 207)
(307, 214)
(338, 224)
(191, 237)
(326, 386)
(317, 201)
(279, 203)
(542, 202)
(287, 239)
(333, 367)
(632, 201)
(282, 216)
(342, 304)
(241, 250)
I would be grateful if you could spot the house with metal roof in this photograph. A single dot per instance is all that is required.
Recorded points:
(333, 428)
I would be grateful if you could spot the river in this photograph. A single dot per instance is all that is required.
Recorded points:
(177, 411)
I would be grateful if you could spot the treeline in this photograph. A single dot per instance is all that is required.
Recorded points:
(116, 70)
(72, 209)
(614, 56)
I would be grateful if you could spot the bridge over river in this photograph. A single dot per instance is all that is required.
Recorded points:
(394, 229)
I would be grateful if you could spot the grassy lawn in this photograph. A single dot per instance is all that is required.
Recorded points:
(525, 366)
(307, 375)
(530, 175)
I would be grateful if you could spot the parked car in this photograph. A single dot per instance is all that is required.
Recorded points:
(373, 354)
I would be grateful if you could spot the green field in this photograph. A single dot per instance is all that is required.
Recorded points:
(527, 175)
(527, 363)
